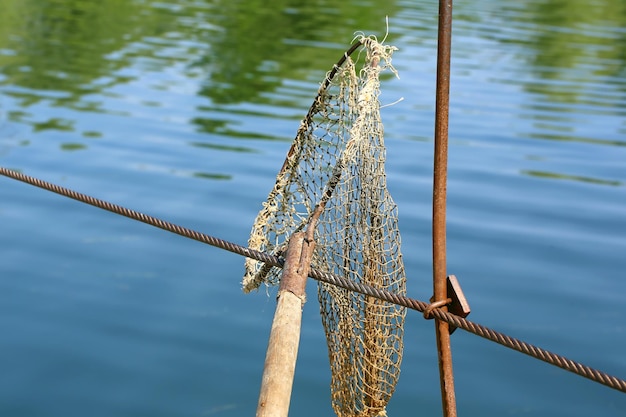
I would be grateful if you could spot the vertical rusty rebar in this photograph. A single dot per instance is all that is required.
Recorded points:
(444, 352)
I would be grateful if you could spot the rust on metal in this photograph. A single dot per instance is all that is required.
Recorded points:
(433, 305)
(442, 102)
(458, 303)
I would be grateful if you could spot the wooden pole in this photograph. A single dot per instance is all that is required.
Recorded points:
(282, 350)
(442, 330)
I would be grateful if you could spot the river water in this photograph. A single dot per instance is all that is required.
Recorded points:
(185, 109)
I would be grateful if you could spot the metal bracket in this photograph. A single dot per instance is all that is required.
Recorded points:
(455, 302)
(459, 305)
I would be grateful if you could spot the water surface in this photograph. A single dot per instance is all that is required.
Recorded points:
(184, 110)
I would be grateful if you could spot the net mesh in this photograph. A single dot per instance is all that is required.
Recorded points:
(337, 162)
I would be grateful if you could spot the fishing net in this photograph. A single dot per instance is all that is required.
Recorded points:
(337, 163)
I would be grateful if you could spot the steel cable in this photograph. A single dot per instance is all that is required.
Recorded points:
(477, 329)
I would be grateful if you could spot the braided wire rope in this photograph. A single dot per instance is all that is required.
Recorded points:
(475, 328)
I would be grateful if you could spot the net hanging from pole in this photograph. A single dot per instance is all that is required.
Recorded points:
(336, 162)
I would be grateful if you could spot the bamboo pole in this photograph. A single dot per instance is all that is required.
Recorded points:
(446, 375)
(282, 350)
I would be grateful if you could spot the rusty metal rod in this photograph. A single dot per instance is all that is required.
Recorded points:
(446, 375)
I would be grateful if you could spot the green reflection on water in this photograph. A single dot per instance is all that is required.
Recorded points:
(212, 176)
(62, 45)
(219, 147)
(54, 124)
(244, 48)
(577, 41)
(572, 138)
(260, 45)
(57, 53)
(71, 53)
(553, 175)
(73, 146)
